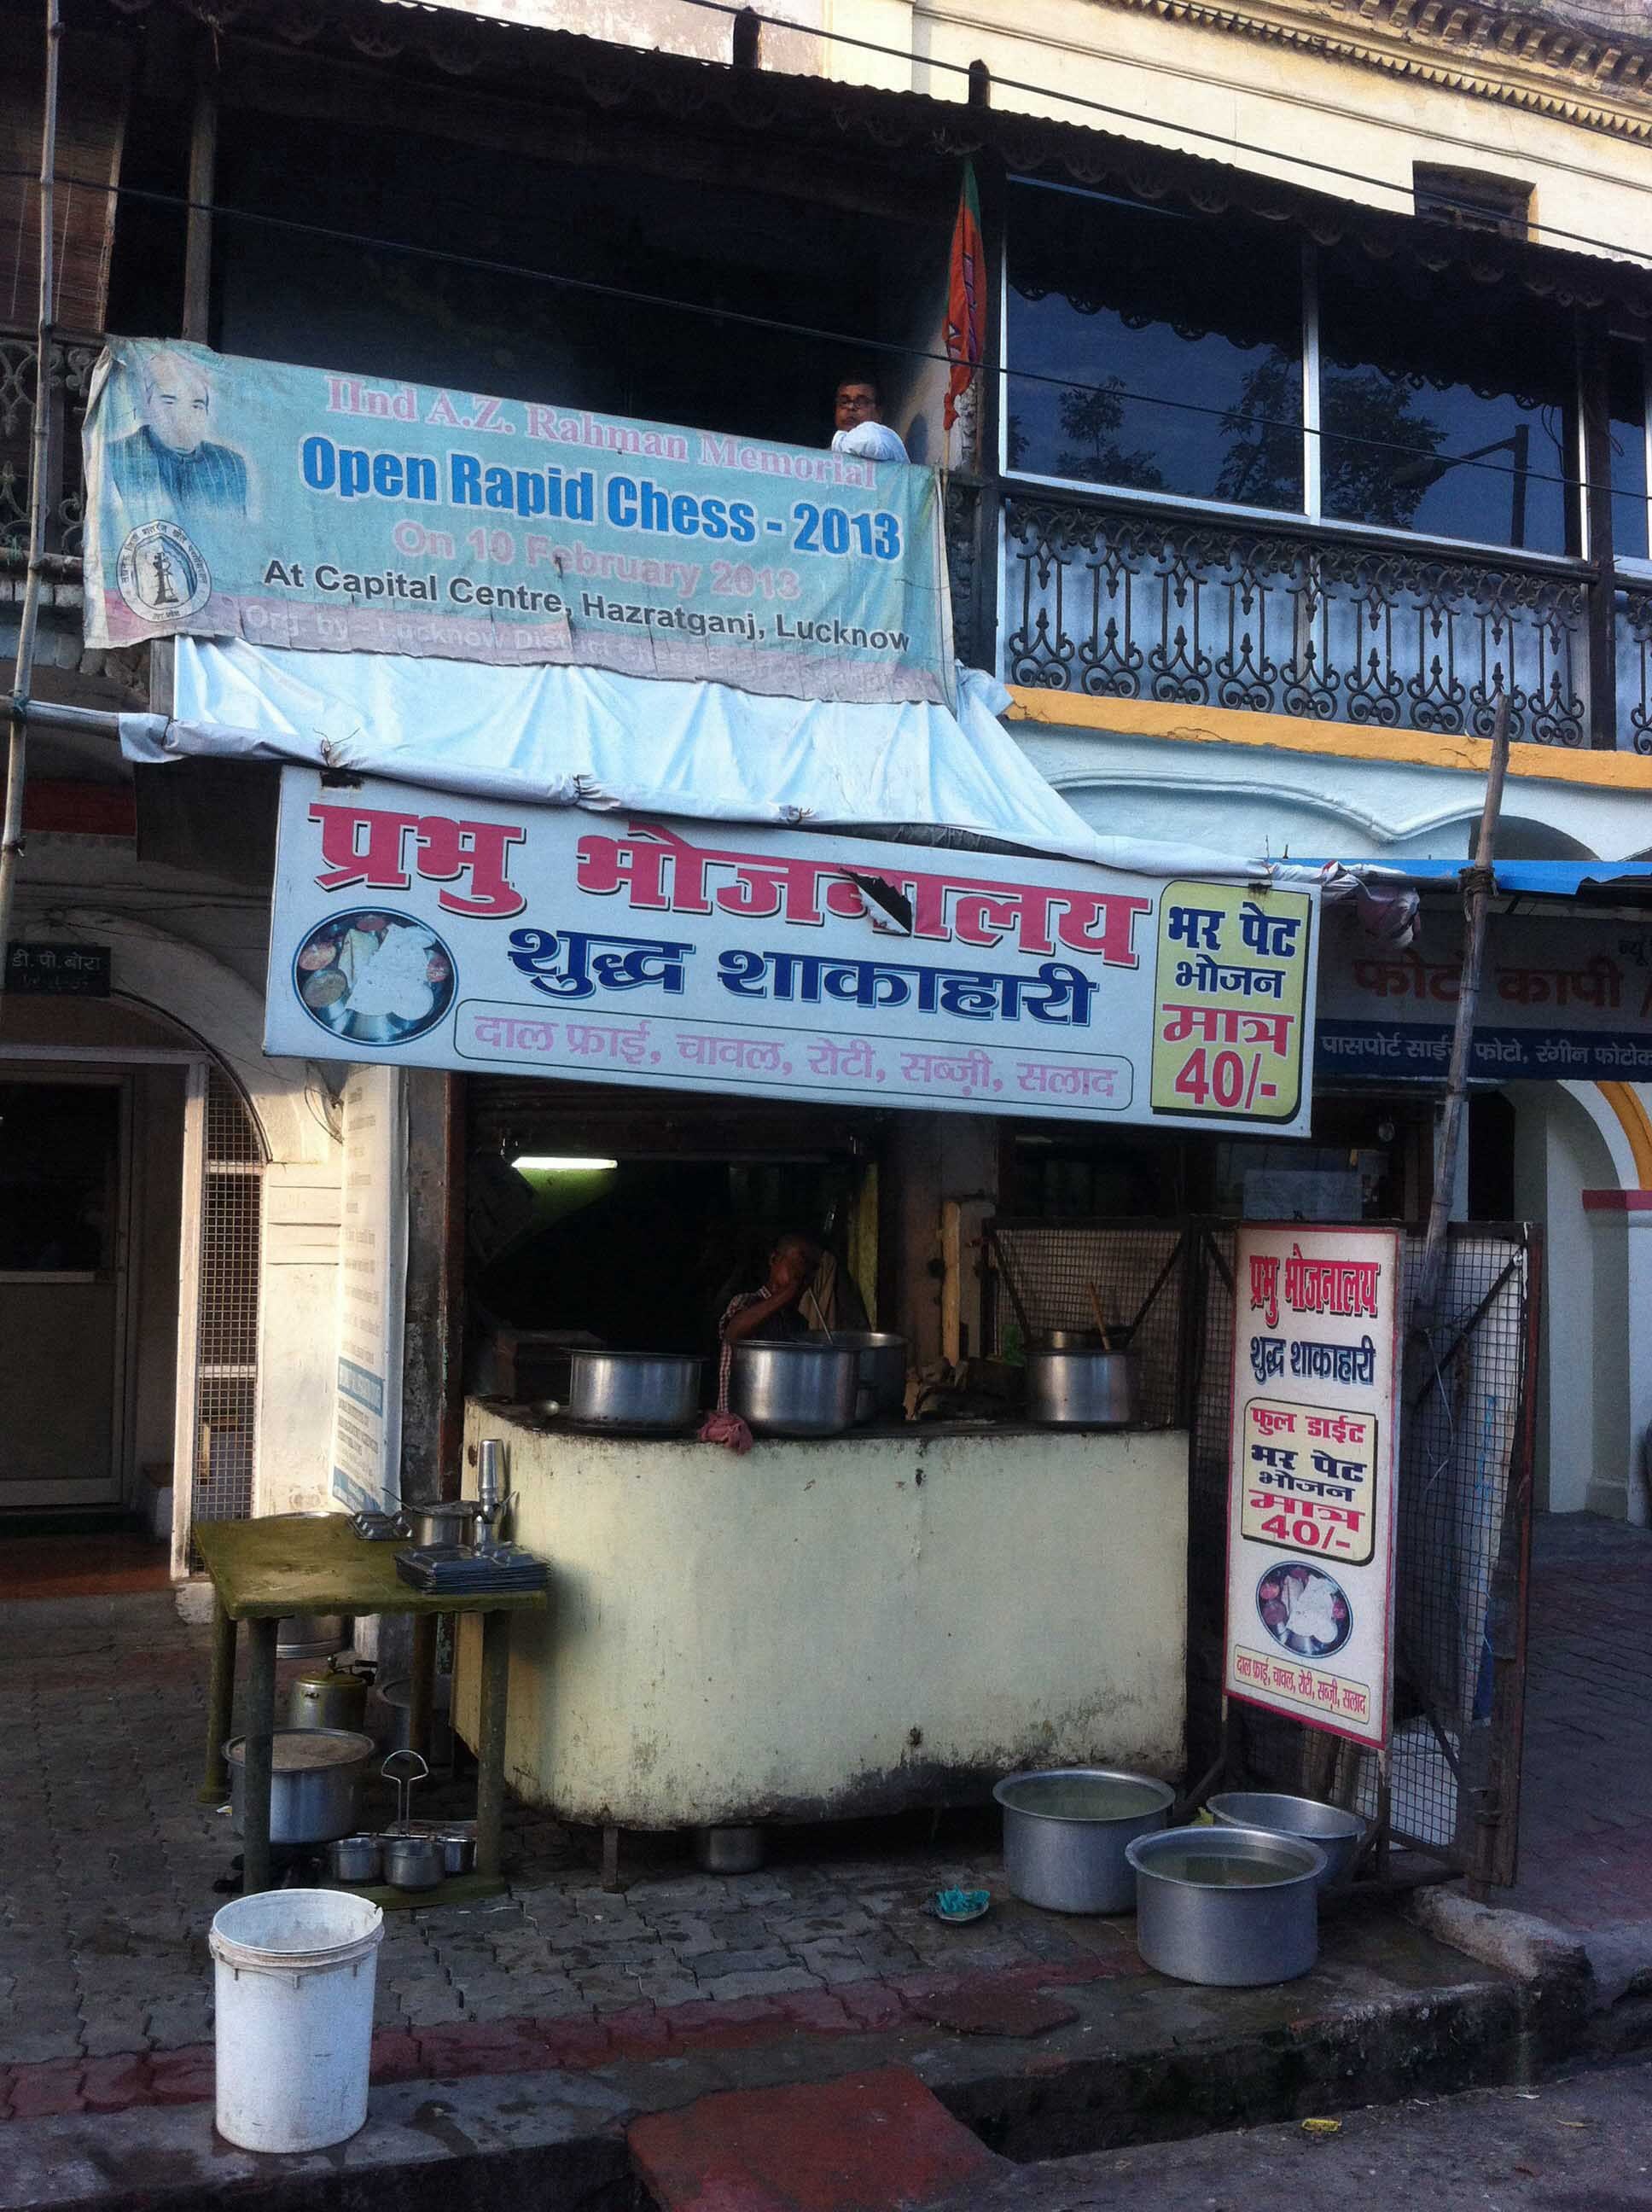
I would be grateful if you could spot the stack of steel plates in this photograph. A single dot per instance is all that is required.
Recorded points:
(456, 1570)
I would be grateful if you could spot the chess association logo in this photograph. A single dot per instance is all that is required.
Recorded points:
(162, 576)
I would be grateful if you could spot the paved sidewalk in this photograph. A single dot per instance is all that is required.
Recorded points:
(1585, 1795)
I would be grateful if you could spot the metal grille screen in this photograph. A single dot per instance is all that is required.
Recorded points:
(226, 1368)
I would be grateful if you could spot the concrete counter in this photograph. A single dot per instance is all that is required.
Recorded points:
(820, 1629)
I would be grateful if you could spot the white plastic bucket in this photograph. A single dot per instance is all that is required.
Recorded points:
(295, 1972)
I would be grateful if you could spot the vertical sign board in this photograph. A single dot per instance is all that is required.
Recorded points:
(371, 1283)
(1311, 1482)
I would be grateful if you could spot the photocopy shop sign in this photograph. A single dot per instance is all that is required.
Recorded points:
(303, 508)
(674, 956)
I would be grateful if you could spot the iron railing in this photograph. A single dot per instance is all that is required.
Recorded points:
(68, 387)
(1111, 602)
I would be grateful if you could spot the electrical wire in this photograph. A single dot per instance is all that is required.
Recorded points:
(522, 271)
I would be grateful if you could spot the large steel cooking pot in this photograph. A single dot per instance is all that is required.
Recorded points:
(880, 1393)
(1080, 1389)
(315, 1783)
(795, 1389)
(1338, 1833)
(635, 1393)
(1229, 1908)
(1066, 1834)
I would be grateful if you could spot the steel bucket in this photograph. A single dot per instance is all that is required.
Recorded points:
(1081, 1389)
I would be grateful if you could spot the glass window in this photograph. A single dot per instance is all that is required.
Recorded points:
(1628, 430)
(1152, 350)
(1447, 415)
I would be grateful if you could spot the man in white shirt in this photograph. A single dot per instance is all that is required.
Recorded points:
(861, 429)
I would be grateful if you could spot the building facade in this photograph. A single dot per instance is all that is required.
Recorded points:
(1313, 420)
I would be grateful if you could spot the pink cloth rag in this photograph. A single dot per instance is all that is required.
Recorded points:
(726, 1429)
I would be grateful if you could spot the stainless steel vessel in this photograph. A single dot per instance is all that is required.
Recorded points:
(1066, 1832)
(880, 1392)
(1229, 1908)
(801, 1389)
(412, 1861)
(1081, 1389)
(328, 1698)
(452, 1522)
(634, 1393)
(315, 1785)
(1338, 1833)
(729, 1851)
(356, 1858)
(397, 1697)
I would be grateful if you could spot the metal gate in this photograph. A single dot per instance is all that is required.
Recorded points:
(1451, 1786)
(216, 1444)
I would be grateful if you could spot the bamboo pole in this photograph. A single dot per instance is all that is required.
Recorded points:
(11, 834)
(1478, 886)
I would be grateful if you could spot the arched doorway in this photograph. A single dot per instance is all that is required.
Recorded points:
(130, 1218)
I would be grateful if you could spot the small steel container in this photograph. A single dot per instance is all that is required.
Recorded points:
(356, 1858)
(1066, 1831)
(729, 1851)
(1228, 1908)
(1338, 1833)
(413, 1862)
(322, 1696)
(452, 1522)
(458, 1849)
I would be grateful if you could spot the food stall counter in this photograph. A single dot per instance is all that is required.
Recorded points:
(823, 1629)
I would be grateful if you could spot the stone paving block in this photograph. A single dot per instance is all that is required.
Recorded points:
(40, 2093)
(177, 2022)
(113, 2085)
(32, 2048)
(717, 1965)
(776, 1983)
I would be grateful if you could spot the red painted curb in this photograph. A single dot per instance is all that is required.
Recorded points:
(1006, 2001)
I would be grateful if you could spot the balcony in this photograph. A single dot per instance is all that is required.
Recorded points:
(68, 385)
(1108, 599)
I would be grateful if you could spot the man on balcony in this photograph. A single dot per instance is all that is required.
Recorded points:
(861, 429)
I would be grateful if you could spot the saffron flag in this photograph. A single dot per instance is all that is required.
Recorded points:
(966, 298)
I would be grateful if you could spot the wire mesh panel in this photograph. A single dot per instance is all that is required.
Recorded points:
(226, 1344)
(1048, 1269)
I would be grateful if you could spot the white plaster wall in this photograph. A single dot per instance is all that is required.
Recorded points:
(1269, 804)
(1581, 1444)
(836, 1625)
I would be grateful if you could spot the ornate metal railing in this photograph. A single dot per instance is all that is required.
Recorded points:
(1634, 658)
(67, 384)
(1195, 612)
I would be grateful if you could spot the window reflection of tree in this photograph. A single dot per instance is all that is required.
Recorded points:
(1379, 427)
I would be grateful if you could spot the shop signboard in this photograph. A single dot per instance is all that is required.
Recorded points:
(372, 1279)
(415, 929)
(57, 971)
(1311, 1488)
(306, 507)
(1559, 998)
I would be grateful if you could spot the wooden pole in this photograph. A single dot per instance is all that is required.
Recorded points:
(11, 833)
(1478, 885)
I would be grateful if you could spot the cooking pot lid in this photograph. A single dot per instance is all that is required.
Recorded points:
(297, 1751)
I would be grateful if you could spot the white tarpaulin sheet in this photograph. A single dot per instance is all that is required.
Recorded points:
(579, 737)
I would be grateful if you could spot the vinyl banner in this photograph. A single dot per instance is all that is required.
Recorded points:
(308, 508)
(417, 929)
(1311, 1489)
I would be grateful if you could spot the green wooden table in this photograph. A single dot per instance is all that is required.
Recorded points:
(264, 1570)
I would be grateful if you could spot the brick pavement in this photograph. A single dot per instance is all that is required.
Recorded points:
(106, 1895)
(1586, 1795)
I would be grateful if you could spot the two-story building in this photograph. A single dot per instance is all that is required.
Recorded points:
(1312, 419)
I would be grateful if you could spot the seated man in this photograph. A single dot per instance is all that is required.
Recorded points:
(861, 429)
